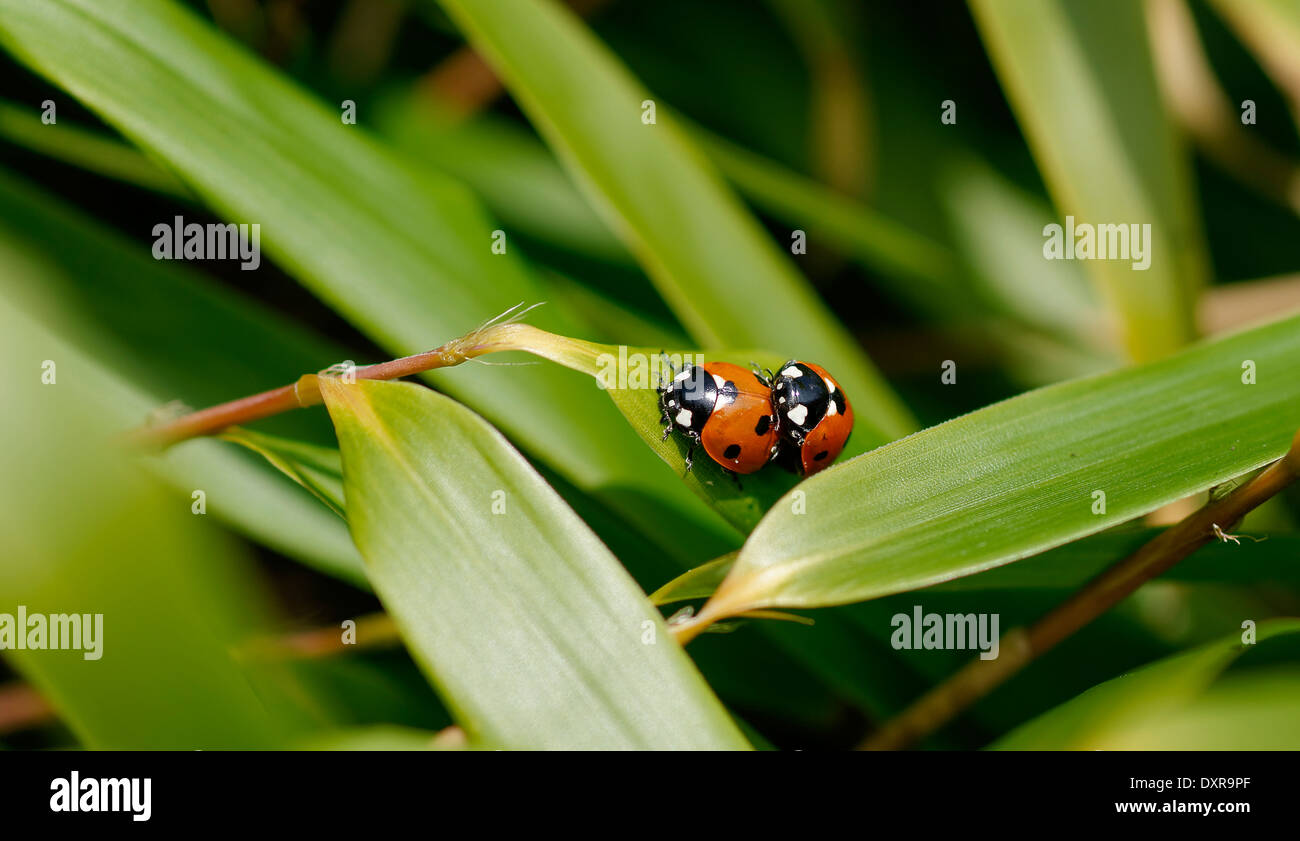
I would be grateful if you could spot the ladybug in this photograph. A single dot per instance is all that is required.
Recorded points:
(726, 409)
(815, 416)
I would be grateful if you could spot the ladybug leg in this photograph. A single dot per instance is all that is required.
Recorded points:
(664, 417)
(763, 375)
(690, 451)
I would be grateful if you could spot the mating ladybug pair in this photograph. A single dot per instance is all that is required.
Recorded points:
(745, 419)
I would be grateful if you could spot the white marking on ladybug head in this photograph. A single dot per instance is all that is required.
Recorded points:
(831, 410)
(781, 399)
(798, 414)
(792, 371)
(719, 380)
(684, 418)
(672, 404)
(684, 375)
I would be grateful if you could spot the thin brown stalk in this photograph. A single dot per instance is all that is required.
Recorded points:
(23, 708)
(304, 392)
(371, 631)
(1022, 645)
(503, 333)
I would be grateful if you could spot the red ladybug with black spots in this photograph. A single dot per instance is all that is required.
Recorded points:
(745, 419)
(814, 416)
(724, 408)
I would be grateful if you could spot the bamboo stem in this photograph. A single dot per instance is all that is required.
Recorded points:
(23, 708)
(371, 631)
(305, 392)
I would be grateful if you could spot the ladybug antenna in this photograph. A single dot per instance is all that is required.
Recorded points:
(670, 369)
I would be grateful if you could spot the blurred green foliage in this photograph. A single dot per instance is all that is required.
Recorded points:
(924, 241)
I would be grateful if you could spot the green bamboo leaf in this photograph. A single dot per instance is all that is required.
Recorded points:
(698, 583)
(1254, 560)
(153, 332)
(752, 672)
(89, 534)
(403, 253)
(1117, 714)
(507, 168)
(998, 231)
(1042, 315)
(162, 324)
(318, 469)
(724, 278)
(1080, 78)
(748, 672)
(915, 268)
(1248, 712)
(1024, 475)
(87, 149)
(238, 490)
(523, 620)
